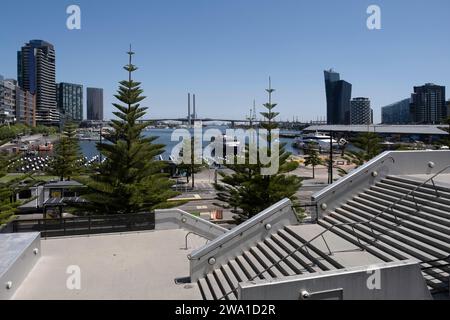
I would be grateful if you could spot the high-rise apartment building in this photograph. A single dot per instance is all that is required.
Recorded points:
(428, 104)
(360, 111)
(7, 101)
(70, 101)
(397, 113)
(16, 104)
(94, 104)
(338, 94)
(36, 74)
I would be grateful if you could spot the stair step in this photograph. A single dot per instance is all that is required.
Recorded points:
(364, 244)
(213, 286)
(224, 286)
(344, 254)
(409, 203)
(428, 189)
(417, 193)
(367, 237)
(429, 202)
(401, 214)
(316, 261)
(415, 183)
(396, 216)
(388, 244)
(427, 237)
(245, 267)
(275, 260)
(296, 264)
(238, 273)
(382, 234)
(265, 262)
(233, 282)
(204, 289)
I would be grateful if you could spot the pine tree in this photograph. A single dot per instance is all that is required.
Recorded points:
(67, 160)
(7, 201)
(312, 158)
(369, 145)
(130, 180)
(246, 192)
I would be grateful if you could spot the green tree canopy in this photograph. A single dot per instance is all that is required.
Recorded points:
(312, 157)
(246, 191)
(67, 161)
(130, 180)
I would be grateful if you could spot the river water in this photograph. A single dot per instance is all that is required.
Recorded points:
(165, 137)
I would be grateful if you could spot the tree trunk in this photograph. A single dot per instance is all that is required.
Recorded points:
(314, 172)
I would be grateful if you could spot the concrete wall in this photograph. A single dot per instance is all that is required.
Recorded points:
(178, 219)
(397, 281)
(18, 256)
(388, 163)
(241, 238)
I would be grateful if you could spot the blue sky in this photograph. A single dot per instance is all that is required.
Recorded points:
(224, 51)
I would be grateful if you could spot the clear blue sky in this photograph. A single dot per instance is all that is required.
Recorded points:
(224, 50)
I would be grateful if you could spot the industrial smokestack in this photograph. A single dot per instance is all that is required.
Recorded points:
(195, 113)
(189, 109)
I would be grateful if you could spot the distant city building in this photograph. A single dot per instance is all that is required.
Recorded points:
(36, 74)
(16, 104)
(25, 107)
(448, 108)
(7, 101)
(428, 104)
(360, 111)
(338, 94)
(70, 101)
(94, 104)
(397, 113)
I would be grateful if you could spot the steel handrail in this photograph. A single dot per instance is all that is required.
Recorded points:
(352, 224)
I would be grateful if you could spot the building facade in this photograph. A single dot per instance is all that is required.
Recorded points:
(7, 101)
(448, 109)
(338, 93)
(428, 104)
(16, 104)
(36, 74)
(360, 111)
(70, 101)
(94, 104)
(397, 113)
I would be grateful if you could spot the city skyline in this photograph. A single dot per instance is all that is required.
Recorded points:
(219, 50)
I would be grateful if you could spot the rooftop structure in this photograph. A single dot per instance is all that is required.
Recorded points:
(382, 129)
(388, 218)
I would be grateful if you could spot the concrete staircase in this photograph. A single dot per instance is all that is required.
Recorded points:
(417, 228)
(421, 232)
(313, 257)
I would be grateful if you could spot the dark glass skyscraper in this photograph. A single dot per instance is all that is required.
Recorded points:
(70, 101)
(397, 113)
(94, 104)
(428, 104)
(36, 74)
(339, 93)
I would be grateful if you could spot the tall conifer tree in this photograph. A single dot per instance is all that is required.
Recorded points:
(246, 191)
(130, 180)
